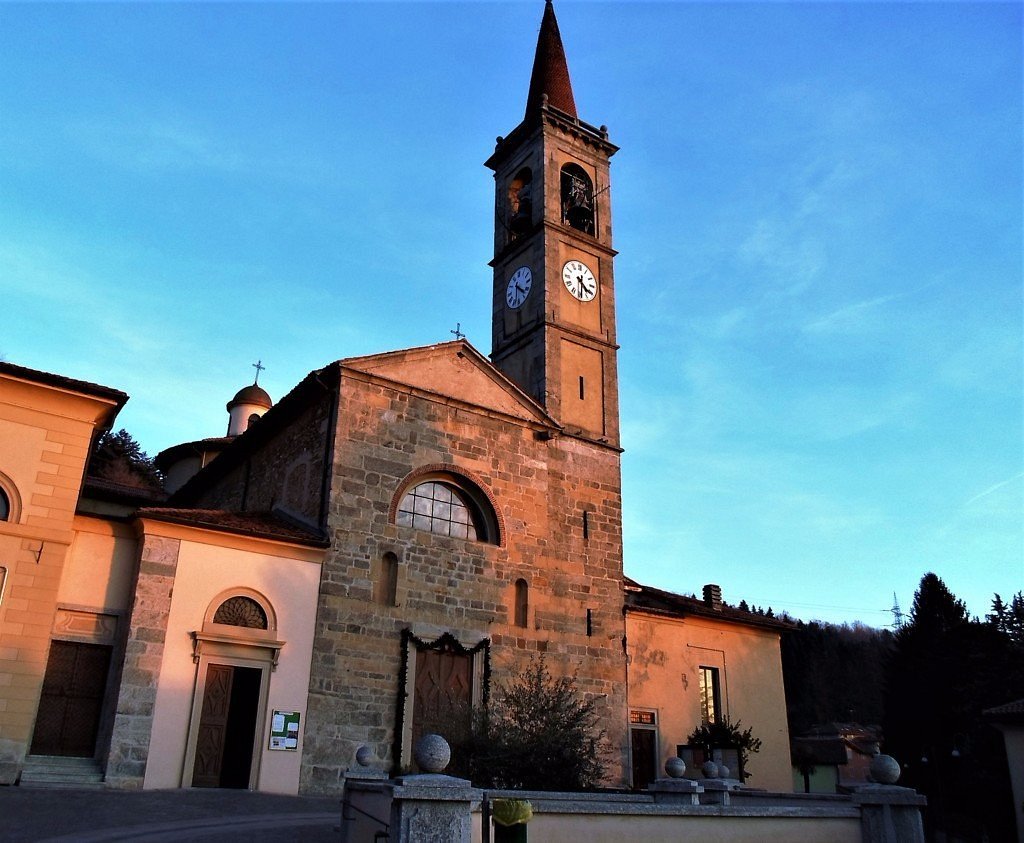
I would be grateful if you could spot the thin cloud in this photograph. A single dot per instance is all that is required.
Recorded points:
(848, 316)
(994, 488)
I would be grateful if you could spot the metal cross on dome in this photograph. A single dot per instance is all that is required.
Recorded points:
(259, 367)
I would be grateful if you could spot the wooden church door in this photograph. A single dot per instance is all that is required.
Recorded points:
(71, 701)
(227, 727)
(443, 696)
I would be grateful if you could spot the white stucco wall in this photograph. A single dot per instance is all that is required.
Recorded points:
(204, 571)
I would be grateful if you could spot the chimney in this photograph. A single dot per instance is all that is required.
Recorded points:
(713, 597)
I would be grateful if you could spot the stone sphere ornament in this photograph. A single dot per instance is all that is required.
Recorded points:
(432, 753)
(675, 767)
(884, 769)
(364, 756)
(723, 771)
(710, 770)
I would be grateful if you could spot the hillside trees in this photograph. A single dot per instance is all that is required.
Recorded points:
(944, 671)
(834, 674)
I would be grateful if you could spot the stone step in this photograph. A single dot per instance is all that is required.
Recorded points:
(61, 771)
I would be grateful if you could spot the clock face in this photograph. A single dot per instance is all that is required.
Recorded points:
(518, 287)
(579, 280)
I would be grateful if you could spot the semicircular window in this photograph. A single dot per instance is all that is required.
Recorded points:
(443, 509)
(5, 506)
(241, 611)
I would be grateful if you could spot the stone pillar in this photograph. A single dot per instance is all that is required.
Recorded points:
(432, 807)
(133, 722)
(364, 798)
(675, 789)
(888, 813)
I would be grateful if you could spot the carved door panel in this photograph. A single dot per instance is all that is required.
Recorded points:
(71, 701)
(227, 727)
(213, 726)
(443, 695)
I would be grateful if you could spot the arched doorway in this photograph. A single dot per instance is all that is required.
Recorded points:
(235, 652)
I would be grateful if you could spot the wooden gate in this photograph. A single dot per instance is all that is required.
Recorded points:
(71, 701)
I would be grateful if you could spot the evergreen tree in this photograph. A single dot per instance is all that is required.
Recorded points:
(944, 671)
(118, 458)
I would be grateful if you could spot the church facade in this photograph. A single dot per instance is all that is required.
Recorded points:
(363, 562)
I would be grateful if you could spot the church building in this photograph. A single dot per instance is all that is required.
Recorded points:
(362, 562)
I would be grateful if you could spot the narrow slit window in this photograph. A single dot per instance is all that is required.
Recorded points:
(386, 590)
(581, 388)
(586, 524)
(522, 603)
(590, 622)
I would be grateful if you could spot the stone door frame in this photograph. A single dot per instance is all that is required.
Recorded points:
(229, 656)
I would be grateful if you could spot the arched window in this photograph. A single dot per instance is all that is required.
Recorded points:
(447, 504)
(10, 500)
(241, 611)
(520, 202)
(5, 506)
(577, 199)
(522, 603)
(385, 590)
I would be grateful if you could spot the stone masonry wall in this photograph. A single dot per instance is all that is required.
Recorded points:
(287, 472)
(133, 722)
(541, 489)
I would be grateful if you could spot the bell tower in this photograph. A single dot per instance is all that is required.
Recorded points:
(554, 294)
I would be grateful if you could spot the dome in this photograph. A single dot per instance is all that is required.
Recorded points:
(252, 394)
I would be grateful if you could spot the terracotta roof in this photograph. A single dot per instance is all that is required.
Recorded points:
(251, 394)
(1011, 712)
(99, 489)
(818, 751)
(266, 525)
(62, 382)
(655, 601)
(550, 70)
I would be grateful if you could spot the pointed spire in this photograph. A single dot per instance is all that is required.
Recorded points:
(550, 71)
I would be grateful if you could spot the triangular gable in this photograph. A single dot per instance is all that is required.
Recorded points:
(453, 370)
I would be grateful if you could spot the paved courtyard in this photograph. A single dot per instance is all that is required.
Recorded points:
(29, 814)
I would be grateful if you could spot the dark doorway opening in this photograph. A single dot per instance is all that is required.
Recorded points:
(644, 757)
(227, 727)
(71, 702)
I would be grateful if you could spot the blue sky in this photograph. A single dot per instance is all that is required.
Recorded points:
(817, 208)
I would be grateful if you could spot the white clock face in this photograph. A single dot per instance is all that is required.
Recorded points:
(579, 280)
(518, 287)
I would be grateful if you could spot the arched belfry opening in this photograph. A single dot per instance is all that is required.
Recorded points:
(577, 199)
(520, 203)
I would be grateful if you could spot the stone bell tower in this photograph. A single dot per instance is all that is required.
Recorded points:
(554, 291)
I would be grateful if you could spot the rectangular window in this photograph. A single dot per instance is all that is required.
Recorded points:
(710, 696)
(582, 393)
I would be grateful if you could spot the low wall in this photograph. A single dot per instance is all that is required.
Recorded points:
(614, 818)
(752, 817)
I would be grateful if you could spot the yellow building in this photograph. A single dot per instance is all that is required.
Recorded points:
(698, 661)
